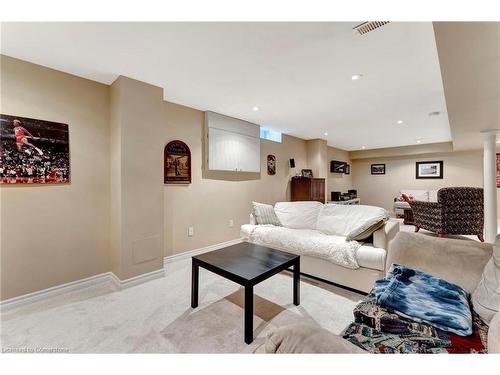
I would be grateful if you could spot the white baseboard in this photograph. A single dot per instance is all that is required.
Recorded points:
(58, 290)
(201, 250)
(139, 279)
(107, 277)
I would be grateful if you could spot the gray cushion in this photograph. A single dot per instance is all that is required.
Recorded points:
(265, 215)
(306, 338)
(486, 297)
(459, 262)
(368, 231)
(494, 335)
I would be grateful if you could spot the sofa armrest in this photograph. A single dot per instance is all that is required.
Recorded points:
(459, 262)
(306, 338)
(383, 236)
(494, 335)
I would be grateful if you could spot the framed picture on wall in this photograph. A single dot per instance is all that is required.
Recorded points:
(378, 169)
(33, 151)
(177, 163)
(271, 165)
(347, 169)
(429, 169)
(337, 166)
(307, 173)
(498, 170)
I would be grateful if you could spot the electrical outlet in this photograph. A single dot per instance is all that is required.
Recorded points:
(190, 231)
(231, 223)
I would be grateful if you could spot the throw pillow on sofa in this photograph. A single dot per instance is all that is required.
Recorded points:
(264, 214)
(356, 222)
(298, 215)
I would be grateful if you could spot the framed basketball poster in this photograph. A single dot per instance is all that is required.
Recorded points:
(33, 151)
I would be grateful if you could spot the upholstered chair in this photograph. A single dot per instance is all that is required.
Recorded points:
(459, 210)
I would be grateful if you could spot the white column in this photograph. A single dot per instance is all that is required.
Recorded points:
(490, 187)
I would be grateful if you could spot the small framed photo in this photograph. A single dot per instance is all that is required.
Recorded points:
(378, 168)
(347, 169)
(307, 173)
(337, 166)
(429, 169)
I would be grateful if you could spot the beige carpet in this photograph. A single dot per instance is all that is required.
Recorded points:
(155, 317)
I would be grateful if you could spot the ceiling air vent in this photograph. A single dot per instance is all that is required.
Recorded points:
(369, 26)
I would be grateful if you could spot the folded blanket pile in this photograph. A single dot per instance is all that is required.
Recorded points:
(377, 330)
(425, 298)
(413, 312)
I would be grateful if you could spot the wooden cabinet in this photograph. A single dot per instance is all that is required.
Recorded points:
(308, 189)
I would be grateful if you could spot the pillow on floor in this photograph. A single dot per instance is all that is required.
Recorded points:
(265, 215)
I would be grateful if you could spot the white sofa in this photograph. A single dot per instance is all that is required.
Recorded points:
(302, 217)
(419, 195)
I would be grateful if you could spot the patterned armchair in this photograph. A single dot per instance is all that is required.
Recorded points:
(459, 210)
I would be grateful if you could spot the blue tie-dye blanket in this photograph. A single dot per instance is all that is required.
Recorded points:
(425, 298)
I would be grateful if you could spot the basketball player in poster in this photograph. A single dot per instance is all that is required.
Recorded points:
(22, 136)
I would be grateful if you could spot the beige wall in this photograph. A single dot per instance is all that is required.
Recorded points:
(460, 169)
(208, 204)
(137, 134)
(51, 235)
(338, 181)
(55, 234)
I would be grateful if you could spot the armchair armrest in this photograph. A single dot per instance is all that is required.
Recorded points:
(424, 205)
(306, 338)
(383, 236)
(457, 261)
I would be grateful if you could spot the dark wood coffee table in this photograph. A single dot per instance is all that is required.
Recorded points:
(246, 264)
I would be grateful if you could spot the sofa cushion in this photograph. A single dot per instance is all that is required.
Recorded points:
(418, 195)
(457, 261)
(298, 215)
(486, 297)
(349, 220)
(265, 215)
(368, 231)
(494, 335)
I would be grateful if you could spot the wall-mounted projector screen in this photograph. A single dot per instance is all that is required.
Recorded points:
(233, 144)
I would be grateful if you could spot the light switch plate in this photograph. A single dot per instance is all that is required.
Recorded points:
(190, 231)
(231, 223)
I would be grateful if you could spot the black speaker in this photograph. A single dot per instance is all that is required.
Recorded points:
(353, 193)
(335, 195)
(292, 163)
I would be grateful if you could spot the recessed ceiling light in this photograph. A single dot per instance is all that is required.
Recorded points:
(355, 77)
(255, 108)
(325, 133)
(399, 122)
(419, 141)
(498, 140)
(363, 147)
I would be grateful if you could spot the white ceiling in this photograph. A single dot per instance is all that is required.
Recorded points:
(298, 74)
